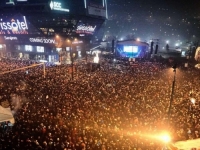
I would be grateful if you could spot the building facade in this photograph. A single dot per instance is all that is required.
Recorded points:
(49, 29)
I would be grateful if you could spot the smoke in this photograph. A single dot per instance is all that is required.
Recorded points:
(17, 102)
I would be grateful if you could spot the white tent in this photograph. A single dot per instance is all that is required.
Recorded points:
(6, 115)
(197, 54)
(185, 145)
(188, 145)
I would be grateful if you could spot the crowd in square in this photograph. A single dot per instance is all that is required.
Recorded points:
(112, 108)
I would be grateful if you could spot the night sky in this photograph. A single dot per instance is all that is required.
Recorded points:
(176, 21)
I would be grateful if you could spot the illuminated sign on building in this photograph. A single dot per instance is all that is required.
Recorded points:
(41, 40)
(85, 29)
(15, 26)
(57, 6)
(10, 38)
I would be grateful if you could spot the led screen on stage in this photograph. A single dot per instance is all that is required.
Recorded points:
(128, 51)
(131, 49)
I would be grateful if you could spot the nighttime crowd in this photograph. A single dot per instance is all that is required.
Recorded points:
(115, 107)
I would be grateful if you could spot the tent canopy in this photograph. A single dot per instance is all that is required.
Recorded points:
(6, 115)
(188, 145)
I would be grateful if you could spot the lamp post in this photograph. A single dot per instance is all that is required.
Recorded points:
(193, 100)
(72, 59)
(172, 92)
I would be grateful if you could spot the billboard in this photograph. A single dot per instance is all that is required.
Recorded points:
(97, 8)
(14, 25)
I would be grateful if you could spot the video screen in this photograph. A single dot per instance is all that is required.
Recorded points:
(131, 49)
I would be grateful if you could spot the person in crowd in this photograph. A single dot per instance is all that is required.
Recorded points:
(108, 109)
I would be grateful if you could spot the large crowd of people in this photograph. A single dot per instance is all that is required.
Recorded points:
(115, 107)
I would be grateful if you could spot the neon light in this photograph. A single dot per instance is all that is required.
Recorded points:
(10, 38)
(106, 9)
(25, 22)
(85, 29)
(85, 3)
(103, 3)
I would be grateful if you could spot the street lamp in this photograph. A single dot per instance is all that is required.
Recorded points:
(172, 92)
(193, 100)
(165, 138)
(72, 58)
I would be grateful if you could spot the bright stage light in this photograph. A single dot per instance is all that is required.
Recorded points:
(165, 138)
(138, 39)
(193, 100)
(96, 58)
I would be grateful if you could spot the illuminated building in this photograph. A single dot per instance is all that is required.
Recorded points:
(39, 29)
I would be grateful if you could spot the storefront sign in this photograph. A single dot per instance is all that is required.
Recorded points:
(40, 40)
(57, 6)
(11, 38)
(85, 29)
(15, 26)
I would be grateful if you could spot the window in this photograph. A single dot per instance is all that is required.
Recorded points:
(18, 47)
(67, 49)
(58, 49)
(28, 48)
(40, 49)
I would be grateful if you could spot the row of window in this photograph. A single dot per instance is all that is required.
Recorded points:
(30, 48)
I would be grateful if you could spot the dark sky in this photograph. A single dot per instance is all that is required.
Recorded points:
(173, 20)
